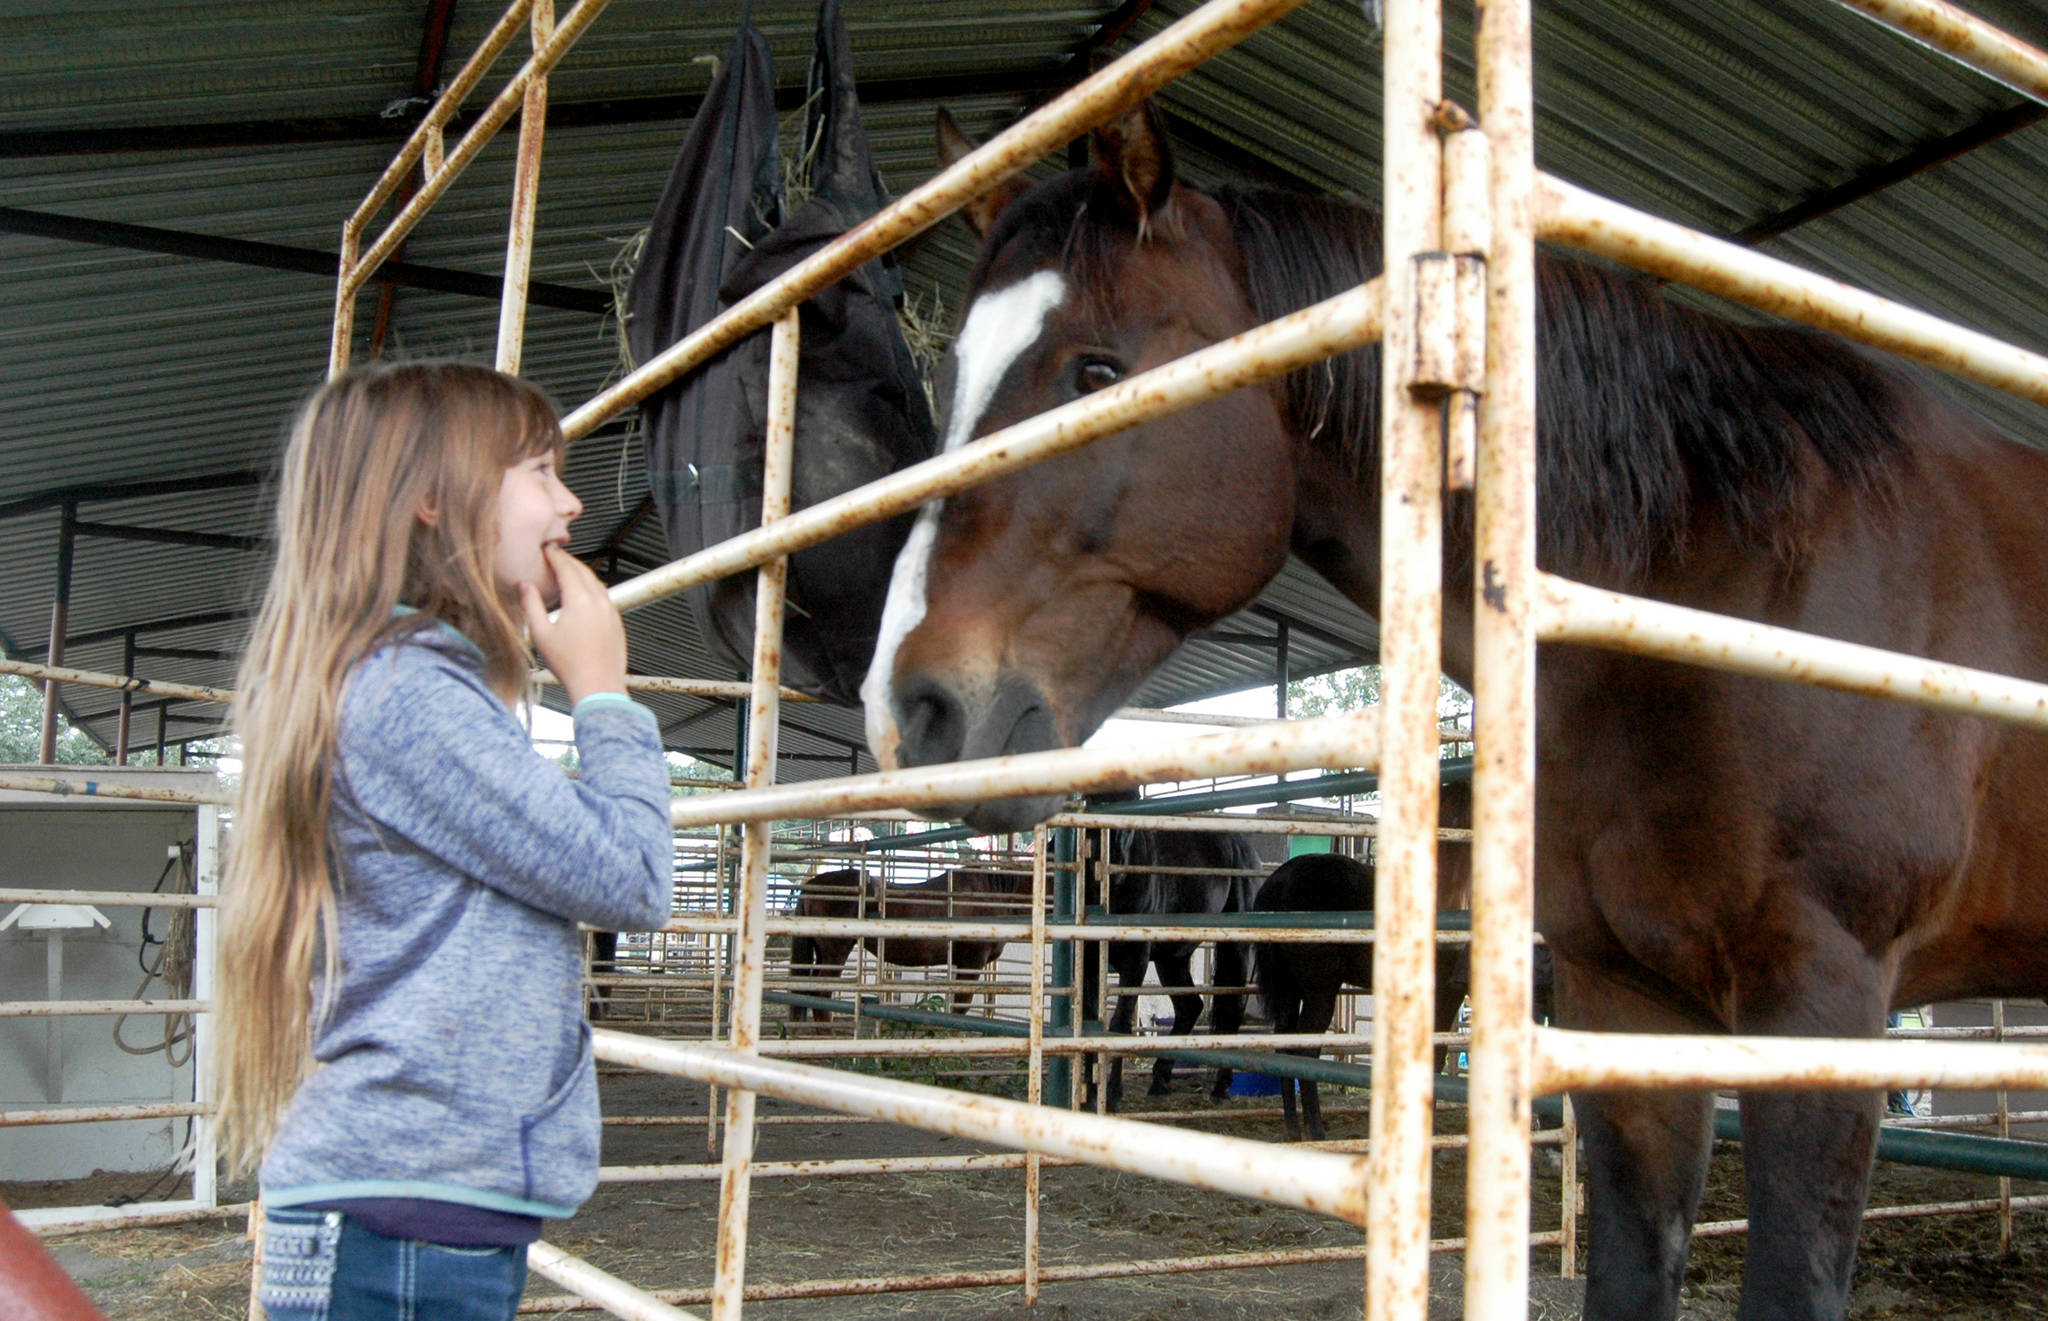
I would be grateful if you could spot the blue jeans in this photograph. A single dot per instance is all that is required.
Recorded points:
(323, 1266)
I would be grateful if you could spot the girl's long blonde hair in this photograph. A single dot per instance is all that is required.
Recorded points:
(388, 496)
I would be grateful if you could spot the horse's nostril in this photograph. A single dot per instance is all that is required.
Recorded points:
(934, 725)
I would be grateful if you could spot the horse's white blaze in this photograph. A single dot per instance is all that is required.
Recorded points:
(999, 327)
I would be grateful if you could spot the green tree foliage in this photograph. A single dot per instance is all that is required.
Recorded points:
(21, 729)
(1354, 690)
(1334, 693)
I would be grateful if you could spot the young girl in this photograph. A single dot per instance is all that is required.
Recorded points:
(401, 1037)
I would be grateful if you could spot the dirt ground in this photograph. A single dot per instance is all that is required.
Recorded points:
(660, 1235)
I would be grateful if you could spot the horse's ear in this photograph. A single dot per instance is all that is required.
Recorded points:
(1133, 158)
(953, 146)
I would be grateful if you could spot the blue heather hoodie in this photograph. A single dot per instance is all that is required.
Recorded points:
(454, 1062)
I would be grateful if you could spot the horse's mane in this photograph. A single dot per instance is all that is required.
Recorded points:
(1649, 411)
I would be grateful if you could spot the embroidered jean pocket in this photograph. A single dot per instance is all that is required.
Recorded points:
(298, 1263)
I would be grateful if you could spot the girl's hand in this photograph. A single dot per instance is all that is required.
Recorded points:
(586, 644)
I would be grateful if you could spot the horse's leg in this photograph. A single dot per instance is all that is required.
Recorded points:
(1175, 970)
(831, 957)
(1128, 961)
(1121, 1021)
(1646, 1163)
(1318, 1007)
(963, 1000)
(1453, 984)
(1226, 1012)
(1806, 1156)
(604, 954)
(1286, 1013)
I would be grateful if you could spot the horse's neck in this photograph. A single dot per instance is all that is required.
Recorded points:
(1337, 533)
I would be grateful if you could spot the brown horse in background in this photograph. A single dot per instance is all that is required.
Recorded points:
(1714, 852)
(967, 893)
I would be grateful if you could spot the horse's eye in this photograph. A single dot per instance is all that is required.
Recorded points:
(1092, 374)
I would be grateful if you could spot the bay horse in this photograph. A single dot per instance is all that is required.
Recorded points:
(967, 893)
(1145, 893)
(1714, 852)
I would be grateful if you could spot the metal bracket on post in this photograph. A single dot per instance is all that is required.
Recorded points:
(1457, 366)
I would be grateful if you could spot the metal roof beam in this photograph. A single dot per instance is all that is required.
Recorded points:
(187, 653)
(149, 626)
(1870, 182)
(171, 536)
(282, 257)
(1306, 629)
(95, 492)
(574, 114)
(616, 540)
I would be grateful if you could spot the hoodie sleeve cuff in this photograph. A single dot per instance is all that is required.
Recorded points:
(599, 701)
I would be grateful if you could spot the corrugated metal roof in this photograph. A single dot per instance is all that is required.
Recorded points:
(124, 366)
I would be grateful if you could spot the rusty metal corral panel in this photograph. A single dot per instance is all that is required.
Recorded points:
(123, 365)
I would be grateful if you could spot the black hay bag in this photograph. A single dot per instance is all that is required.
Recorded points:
(718, 235)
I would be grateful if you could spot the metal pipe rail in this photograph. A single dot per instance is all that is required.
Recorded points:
(1568, 611)
(84, 786)
(97, 1114)
(1334, 827)
(1571, 215)
(1337, 928)
(1310, 1181)
(1176, 806)
(1204, 1115)
(810, 1169)
(100, 1008)
(1174, 1048)
(729, 689)
(1975, 1206)
(1328, 741)
(61, 1223)
(1006, 1160)
(126, 683)
(1964, 37)
(357, 269)
(1012, 1160)
(591, 1285)
(1012, 1276)
(1566, 1060)
(119, 899)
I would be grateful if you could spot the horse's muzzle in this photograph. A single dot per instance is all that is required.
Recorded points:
(939, 723)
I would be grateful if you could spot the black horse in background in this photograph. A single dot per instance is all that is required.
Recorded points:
(1302, 981)
(1146, 893)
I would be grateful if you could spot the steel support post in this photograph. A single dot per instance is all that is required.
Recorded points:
(60, 613)
(1411, 560)
(1041, 842)
(127, 700)
(1061, 1011)
(206, 860)
(525, 199)
(1504, 691)
(763, 719)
